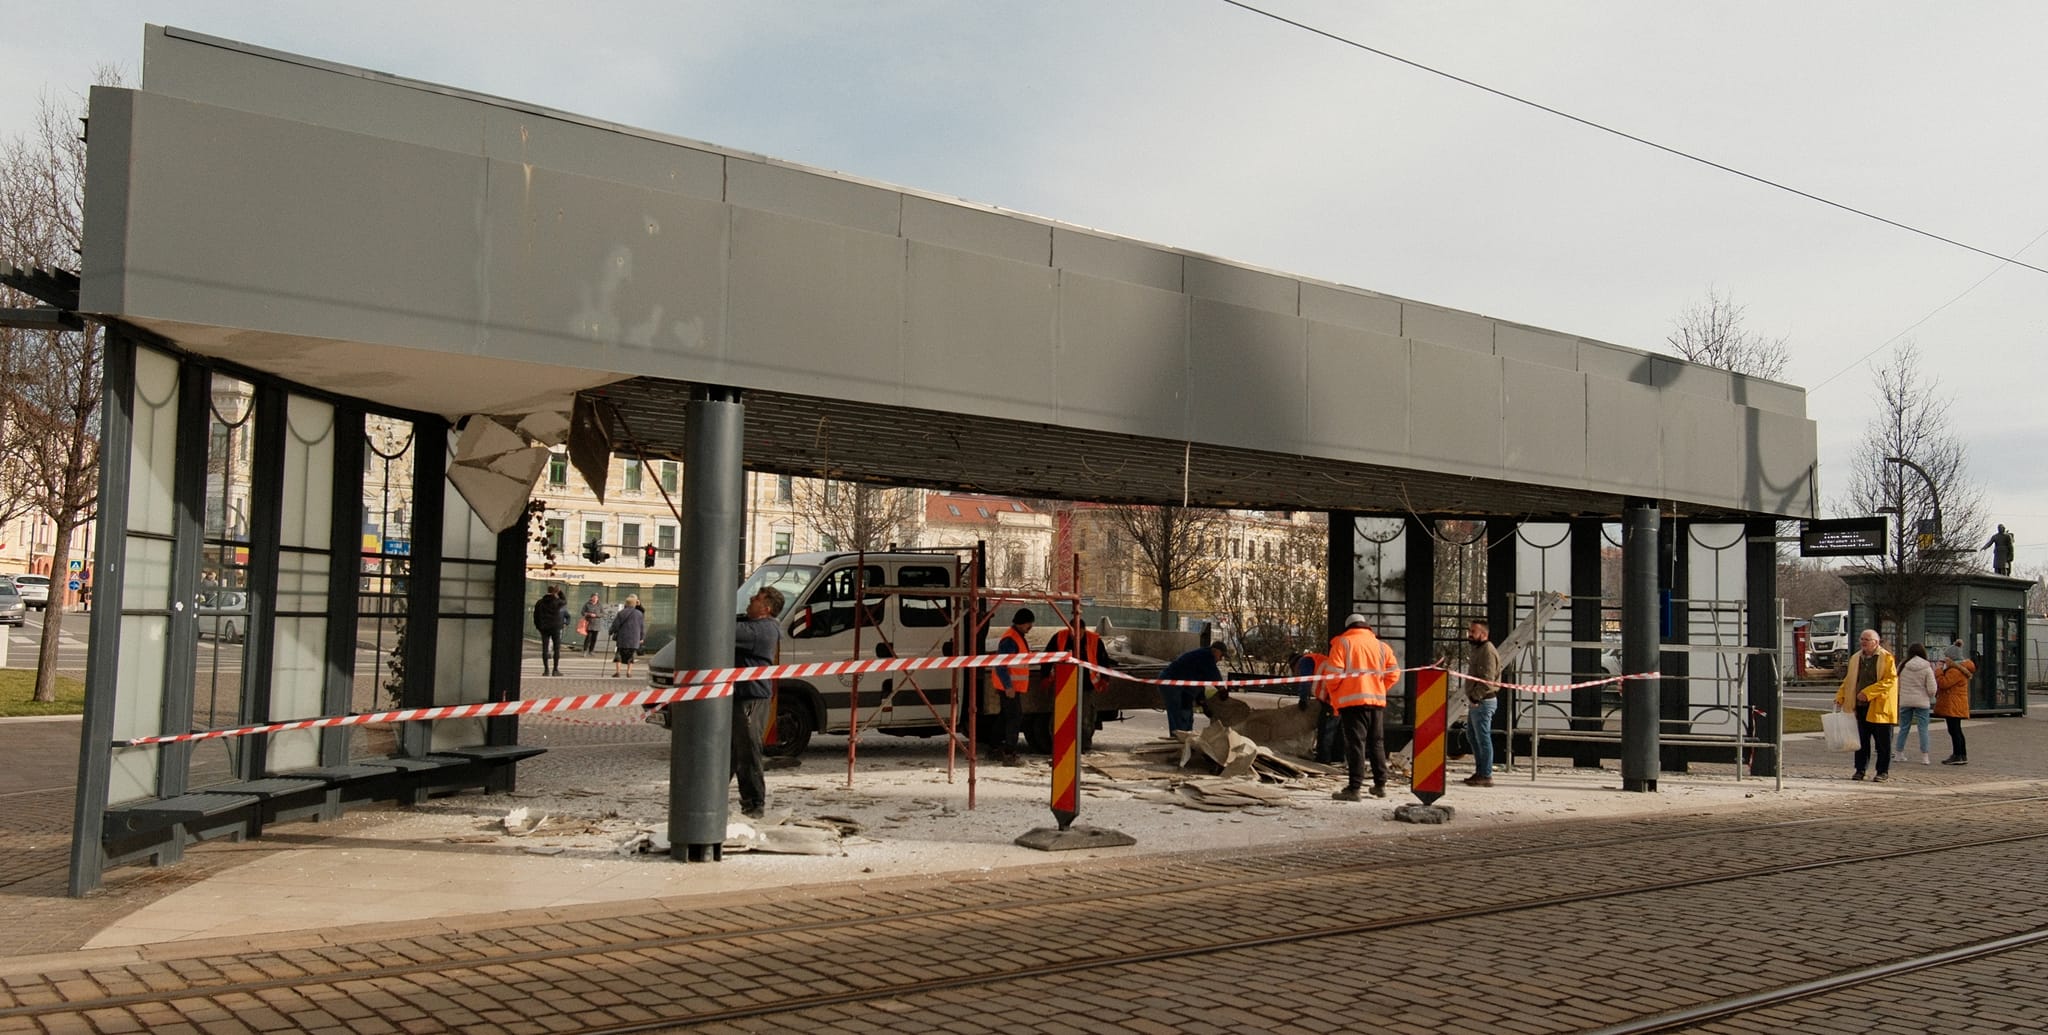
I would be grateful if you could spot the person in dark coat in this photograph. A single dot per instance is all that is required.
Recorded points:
(754, 642)
(629, 631)
(593, 623)
(1200, 664)
(547, 620)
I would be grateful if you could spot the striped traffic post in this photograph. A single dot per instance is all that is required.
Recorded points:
(1427, 776)
(1066, 744)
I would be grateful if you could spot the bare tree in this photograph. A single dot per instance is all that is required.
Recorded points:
(53, 377)
(856, 515)
(1710, 332)
(1810, 586)
(1276, 602)
(1173, 548)
(1911, 423)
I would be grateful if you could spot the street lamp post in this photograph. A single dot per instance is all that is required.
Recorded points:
(1933, 494)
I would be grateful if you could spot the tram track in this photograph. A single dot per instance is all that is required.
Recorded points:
(442, 968)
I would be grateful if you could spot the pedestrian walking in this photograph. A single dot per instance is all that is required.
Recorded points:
(756, 641)
(547, 620)
(1916, 701)
(1952, 703)
(1870, 688)
(629, 631)
(592, 621)
(1359, 697)
(1203, 664)
(1483, 668)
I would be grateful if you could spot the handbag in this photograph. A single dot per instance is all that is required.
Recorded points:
(1839, 729)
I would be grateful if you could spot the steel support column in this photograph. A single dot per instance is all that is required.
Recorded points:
(103, 648)
(1342, 565)
(423, 579)
(188, 529)
(344, 579)
(266, 522)
(714, 512)
(1419, 609)
(509, 610)
(1639, 645)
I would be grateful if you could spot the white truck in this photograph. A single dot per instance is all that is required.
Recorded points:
(1827, 639)
(820, 623)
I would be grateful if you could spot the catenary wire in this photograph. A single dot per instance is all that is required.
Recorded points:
(1625, 135)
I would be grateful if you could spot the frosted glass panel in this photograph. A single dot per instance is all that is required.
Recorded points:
(308, 473)
(462, 675)
(138, 704)
(1543, 564)
(1717, 591)
(302, 582)
(148, 583)
(463, 533)
(467, 589)
(153, 457)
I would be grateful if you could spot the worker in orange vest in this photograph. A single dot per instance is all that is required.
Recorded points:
(1010, 683)
(1091, 651)
(1359, 697)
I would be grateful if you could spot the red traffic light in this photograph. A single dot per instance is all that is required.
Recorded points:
(650, 555)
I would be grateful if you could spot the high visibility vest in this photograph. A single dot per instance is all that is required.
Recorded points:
(1372, 664)
(1090, 651)
(1317, 665)
(1013, 679)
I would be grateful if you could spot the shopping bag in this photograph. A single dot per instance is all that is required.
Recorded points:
(1839, 728)
(582, 626)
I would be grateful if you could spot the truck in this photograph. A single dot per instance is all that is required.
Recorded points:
(1827, 640)
(903, 603)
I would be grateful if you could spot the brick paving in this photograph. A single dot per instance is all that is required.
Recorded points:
(1560, 968)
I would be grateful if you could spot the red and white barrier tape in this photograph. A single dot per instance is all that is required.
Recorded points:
(706, 684)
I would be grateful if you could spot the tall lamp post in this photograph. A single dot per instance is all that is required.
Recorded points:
(1929, 538)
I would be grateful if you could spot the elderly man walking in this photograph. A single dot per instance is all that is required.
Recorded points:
(1871, 687)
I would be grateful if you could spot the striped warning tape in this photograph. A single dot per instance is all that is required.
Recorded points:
(703, 684)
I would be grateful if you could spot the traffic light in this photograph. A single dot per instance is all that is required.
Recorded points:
(593, 552)
(650, 555)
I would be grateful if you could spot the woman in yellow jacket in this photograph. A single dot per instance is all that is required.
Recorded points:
(1952, 702)
(1871, 687)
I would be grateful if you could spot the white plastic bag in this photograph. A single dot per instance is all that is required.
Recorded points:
(1839, 728)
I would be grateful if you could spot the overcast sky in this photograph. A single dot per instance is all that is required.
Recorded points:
(1196, 124)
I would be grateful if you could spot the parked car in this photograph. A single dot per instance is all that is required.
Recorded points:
(223, 615)
(12, 610)
(34, 590)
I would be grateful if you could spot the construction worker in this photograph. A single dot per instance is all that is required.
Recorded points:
(1359, 697)
(1091, 651)
(1203, 664)
(1010, 683)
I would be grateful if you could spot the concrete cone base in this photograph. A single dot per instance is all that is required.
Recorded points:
(1053, 839)
(1424, 813)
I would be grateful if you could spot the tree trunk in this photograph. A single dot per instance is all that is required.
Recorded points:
(1165, 606)
(53, 614)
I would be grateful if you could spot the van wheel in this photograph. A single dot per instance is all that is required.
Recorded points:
(793, 728)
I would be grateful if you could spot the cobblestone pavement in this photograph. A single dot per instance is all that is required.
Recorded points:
(1559, 967)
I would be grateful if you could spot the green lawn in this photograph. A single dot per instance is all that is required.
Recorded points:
(1802, 720)
(18, 685)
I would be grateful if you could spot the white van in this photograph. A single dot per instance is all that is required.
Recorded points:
(1827, 639)
(819, 625)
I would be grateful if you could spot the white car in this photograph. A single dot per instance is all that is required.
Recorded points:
(34, 590)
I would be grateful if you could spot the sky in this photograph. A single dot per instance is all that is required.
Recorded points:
(1200, 125)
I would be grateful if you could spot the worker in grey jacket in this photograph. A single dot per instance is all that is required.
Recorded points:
(1483, 663)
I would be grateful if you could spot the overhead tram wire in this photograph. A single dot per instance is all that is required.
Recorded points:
(1625, 135)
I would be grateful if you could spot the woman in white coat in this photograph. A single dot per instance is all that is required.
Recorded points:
(1916, 701)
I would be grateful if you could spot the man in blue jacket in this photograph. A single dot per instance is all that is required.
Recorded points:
(1199, 664)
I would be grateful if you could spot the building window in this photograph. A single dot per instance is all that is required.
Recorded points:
(953, 510)
(668, 475)
(665, 538)
(632, 476)
(558, 470)
(1236, 549)
(831, 493)
(983, 511)
(593, 531)
(1013, 563)
(781, 542)
(629, 535)
(828, 543)
(785, 488)
(556, 531)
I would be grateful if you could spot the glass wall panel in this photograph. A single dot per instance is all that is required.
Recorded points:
(308, 495)
(462, 675)
(1543, 564)
(138, 707)
(1379, 577)
(385, 519)
(151, 506)
(1716, 613)
(147, 586)
(298, 672)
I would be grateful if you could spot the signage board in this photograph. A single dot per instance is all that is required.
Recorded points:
(1843, 537)
(398, 547)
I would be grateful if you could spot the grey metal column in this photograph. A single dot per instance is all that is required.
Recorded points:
(508, 639)
(714, 504)
(1640, 636)
(1764, 632)
(181, 644)
(266, 522)
(1674, 693)
(103, 647)
(423, 579)
(344, 577)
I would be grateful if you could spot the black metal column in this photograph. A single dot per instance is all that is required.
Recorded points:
(103, 649)
(508, 640)
(266, 521)
(1639, 645)
(344, 579)
(1503, 553)
(1587, 540)
(1342, 568)
(423, 579)
(1764, 632)
(1674, 695)
(714, 512)
(1419, 647)
(188, 525)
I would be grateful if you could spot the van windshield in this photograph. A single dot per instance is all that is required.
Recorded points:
(791, 579)
(1828, 624)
